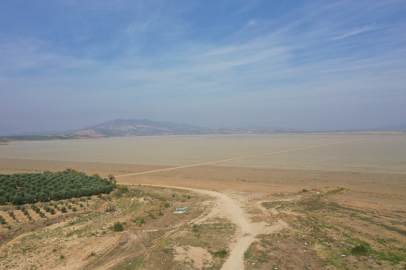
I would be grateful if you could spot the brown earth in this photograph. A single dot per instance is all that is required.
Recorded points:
(339, 210)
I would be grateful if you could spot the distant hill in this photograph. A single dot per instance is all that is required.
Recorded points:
(131, 127)
(145, 127)
(134, 127)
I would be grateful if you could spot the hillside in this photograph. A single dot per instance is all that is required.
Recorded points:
(135, 127)
(144, 127)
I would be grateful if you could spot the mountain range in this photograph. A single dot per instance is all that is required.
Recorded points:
(145, 127)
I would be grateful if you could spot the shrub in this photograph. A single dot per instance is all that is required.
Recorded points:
(360, 250)
(74, 209)
(222, 253)
(63, 209)
(167, 204)
(52, 211)
(139, 221)
(118, 227)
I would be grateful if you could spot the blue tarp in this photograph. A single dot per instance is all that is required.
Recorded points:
(181, 209)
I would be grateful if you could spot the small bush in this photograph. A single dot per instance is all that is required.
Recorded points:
(74, 209)
(61, 257)
(222, 253)
(139, 221)
(167, 204)
(63, 209)
(118, 227)
(360, 250)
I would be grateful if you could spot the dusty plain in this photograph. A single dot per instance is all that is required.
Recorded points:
(306, 204)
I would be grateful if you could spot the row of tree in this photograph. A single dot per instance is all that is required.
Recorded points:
(30, 188)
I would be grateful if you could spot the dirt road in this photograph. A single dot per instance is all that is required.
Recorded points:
(234, 159)
(232, 209)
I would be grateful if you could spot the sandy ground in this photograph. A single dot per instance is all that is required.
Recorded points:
(233, 186)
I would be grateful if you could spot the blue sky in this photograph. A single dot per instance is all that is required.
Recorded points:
(315, 65)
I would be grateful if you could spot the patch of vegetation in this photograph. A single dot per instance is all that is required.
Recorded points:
(392, 256)
(30, 188)
(139, 221)
(221, 253)
(118, 227)
(361, 250)
(131, 264)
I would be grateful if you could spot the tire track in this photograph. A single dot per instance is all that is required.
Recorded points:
(233, 159)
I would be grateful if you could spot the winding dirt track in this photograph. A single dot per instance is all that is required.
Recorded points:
(233, 209)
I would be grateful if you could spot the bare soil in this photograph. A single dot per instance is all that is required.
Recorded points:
(241, 217)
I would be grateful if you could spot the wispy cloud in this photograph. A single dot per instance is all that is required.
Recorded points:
(188, 62)
(356, 31)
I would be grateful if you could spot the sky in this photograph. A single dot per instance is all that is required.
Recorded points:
(314, 65)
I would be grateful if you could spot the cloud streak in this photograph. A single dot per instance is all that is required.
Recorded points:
(355, 32)
(229, 64)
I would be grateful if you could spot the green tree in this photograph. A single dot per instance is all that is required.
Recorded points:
(112, 180)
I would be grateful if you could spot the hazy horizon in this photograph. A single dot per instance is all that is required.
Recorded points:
(314, 65)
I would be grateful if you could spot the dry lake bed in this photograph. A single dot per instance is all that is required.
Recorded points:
(301, 201)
